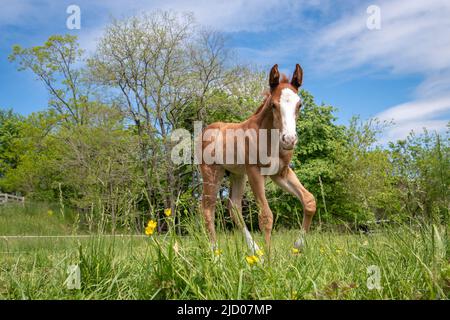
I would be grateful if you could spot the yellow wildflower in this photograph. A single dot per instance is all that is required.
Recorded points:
(338, 251)
(151, 225)
(295, 251)
(322, 250)
(149, 231)
(252, 259)
(217, 252)
(50, 212)
(259, 253)
(168, 212)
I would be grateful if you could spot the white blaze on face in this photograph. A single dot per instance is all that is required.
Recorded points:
(288, 105)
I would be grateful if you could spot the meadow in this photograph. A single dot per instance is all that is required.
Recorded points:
(412, 262)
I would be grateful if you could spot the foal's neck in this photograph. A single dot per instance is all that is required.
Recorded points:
(264, 116)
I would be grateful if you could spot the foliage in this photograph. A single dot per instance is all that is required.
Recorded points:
(9, 131)
(422, 171)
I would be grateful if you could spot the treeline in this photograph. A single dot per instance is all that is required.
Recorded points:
(102, 147)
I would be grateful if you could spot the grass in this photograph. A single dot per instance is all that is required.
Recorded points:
(34, 219)
(413, 262)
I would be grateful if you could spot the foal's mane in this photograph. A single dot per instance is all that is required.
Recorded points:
(266, 93)
(284, 78)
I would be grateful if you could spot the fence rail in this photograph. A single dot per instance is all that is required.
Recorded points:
(4, 198)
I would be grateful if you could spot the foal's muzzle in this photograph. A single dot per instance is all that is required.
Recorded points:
(288, 141)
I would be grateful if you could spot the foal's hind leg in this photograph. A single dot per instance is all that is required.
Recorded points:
(289, 182)
(212, 176)
(237, 185)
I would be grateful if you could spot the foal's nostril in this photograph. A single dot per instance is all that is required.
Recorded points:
(289, 139)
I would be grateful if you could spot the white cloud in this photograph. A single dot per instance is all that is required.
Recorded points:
(416, 115)
(235, 15)
(414, 39)
(436, 83)
(416, 110)
(228, 16)
(402, 130)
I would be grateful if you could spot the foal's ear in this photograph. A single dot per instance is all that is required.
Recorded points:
(274, 78)
(297, 78)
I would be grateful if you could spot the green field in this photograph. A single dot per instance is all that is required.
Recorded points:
(413, 263)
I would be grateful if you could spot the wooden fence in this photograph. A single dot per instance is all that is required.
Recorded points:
(4, 198)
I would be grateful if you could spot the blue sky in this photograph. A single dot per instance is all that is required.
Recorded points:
(399, 72)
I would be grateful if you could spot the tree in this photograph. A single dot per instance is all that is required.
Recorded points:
(367, 184)
(80, 150)
(34, 151)
(422, 170)
(165, 69)
(55, 65)
(9, 132)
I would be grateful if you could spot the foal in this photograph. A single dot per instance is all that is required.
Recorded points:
(278, 111)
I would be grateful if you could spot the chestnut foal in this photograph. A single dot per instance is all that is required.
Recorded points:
(279, 110)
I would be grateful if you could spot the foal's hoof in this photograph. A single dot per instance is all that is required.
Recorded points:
(299, 244)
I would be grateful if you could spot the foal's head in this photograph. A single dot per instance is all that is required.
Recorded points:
(285, 103)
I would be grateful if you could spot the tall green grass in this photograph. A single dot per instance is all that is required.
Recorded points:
(413, 263)
(34, 218)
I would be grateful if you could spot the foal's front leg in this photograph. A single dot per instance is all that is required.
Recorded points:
(265, 217)
(237, 185)
(289, 182)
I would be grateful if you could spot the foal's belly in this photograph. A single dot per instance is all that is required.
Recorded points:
(276, 164)
(235, 168)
